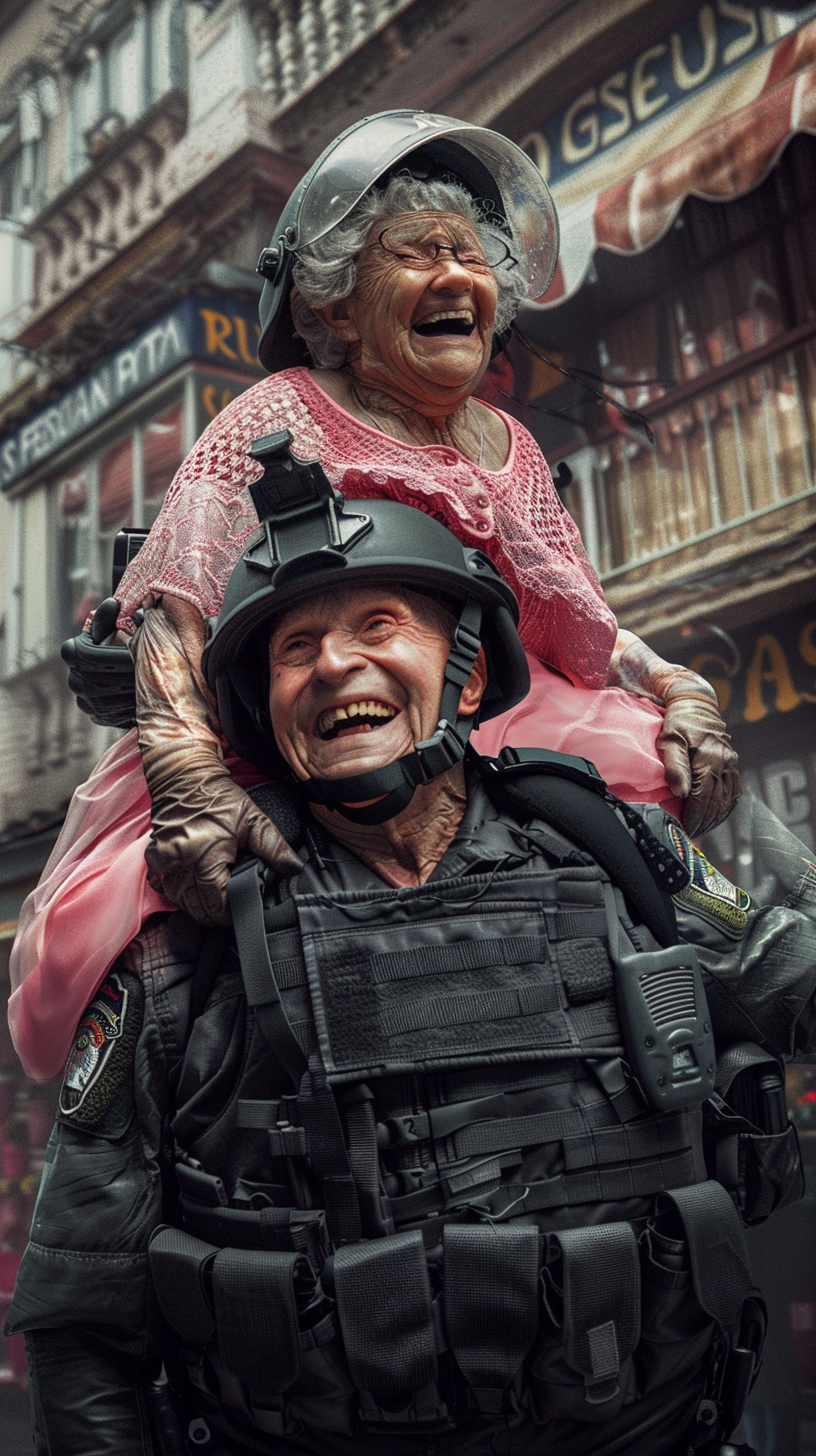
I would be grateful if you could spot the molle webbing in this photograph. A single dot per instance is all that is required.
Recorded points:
(504, 970)
(480, 978)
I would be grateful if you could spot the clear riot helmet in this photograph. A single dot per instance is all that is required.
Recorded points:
(492, 169)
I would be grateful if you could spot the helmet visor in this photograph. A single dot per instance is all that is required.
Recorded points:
(371, 148)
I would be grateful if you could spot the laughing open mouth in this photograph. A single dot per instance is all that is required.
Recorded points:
(366, 714)
(459, 322)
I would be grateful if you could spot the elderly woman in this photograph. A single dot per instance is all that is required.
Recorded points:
(396, 303)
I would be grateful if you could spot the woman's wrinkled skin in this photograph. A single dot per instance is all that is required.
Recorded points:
(701, 765)
(201, 820)
(419, 388)
(377, 647)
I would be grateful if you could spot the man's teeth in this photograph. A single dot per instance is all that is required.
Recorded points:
(365, 708)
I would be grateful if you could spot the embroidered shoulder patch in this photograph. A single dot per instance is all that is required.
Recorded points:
(708, 893)
(97, 1092)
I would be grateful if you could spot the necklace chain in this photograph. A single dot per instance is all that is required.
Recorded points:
(379, 428)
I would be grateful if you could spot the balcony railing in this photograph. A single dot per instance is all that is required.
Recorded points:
(299, 41)
(731, 447)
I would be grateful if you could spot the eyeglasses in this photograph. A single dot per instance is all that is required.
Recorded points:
(422, 252)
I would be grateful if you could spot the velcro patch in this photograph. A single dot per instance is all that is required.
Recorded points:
(708, 893)
(97, 1091)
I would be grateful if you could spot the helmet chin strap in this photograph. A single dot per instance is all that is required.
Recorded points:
(399, 781)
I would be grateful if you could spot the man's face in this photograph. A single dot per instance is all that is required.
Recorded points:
(421, 330)
(356, 679)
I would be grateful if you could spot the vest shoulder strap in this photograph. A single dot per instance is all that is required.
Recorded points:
(569, 794)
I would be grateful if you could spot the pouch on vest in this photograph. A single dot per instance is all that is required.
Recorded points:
(675, 1331)
(592, 1294)
(751, 1147)
(491, 1304)
(256, 1323)
(178, 1264)
(385, 1310)
(720, 1265)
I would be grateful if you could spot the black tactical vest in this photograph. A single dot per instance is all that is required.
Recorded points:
(416, 1182)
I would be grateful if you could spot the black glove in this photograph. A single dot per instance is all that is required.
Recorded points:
(101, 674)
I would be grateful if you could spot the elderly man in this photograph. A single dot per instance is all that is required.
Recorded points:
(427, 1156)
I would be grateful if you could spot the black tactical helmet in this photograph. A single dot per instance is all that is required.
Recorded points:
(491, 168)
(312, 539)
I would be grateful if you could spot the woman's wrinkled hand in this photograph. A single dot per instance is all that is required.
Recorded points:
(701, 766)
(201, 820)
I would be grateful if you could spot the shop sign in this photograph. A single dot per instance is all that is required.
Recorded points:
(214, 392)
(213, 329)
(761, 672)
(715, 39)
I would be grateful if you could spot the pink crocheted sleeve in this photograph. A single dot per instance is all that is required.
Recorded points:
(565, 620)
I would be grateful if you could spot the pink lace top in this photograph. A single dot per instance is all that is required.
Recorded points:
(513, 514)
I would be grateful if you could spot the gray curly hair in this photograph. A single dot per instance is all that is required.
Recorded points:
(327, 270)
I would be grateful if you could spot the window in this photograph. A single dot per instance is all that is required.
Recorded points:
(127, 63)
(667, 331)
(123, 485)
(22, 194)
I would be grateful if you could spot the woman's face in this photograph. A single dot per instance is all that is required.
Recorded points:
(420, 332)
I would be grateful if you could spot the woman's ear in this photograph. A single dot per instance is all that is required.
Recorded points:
(474, 687)
(337, 318)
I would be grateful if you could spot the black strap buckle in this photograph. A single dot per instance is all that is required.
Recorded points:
(440, 752)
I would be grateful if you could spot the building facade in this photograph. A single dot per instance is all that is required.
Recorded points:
(146, 150)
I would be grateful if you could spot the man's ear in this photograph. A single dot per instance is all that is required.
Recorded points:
(474, 687)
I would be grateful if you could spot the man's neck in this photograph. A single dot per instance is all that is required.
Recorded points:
(405, 850)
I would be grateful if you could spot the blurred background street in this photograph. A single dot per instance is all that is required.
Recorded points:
(146, 150)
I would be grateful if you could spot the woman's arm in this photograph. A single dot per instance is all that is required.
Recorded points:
(202, 821)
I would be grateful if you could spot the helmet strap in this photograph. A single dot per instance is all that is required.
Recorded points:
(445, 748)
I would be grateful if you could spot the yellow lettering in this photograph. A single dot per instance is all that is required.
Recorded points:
(744, 43)
(535, 144)
(247, 354)
(211, 402)
(706, 663)
(208, 400)
(685, 78)
(769, 665)
(217, 330)
(574, 151)
(643, 82)
(610, 94)
(807, 646)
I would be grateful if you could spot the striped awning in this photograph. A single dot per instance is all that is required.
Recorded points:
(717, 146)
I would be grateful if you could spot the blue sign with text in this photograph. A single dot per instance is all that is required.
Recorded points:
(211, 329)
(699, 49)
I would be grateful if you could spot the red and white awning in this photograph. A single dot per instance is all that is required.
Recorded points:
(731, 135)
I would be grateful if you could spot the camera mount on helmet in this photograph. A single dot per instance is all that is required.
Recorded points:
(492, 169)
(312, 539)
